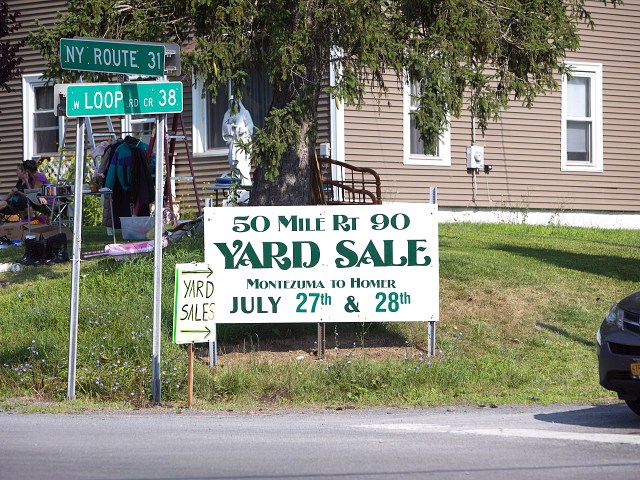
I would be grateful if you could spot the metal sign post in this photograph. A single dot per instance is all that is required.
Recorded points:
(157, 259)
(431, 326)
(106, 99)
(75, 269)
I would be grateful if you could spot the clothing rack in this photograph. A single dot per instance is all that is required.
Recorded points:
(177, 132)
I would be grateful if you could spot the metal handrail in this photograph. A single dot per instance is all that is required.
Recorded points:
(355, 189)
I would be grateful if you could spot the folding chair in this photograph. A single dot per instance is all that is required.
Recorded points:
(10, 211)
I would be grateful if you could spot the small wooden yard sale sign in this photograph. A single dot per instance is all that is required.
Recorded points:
(193, 306)
(374, 263)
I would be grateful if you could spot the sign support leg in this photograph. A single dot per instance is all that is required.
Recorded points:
(213, 354)
(75, 266)
(322, 339)
(431, 338)
(190, 377)
(157, 262)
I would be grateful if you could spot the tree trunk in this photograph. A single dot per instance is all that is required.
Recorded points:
(293, 185)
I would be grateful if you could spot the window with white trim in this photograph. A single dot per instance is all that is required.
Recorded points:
(414, 153)
(582, 149)
(207, 115)
(41, 128)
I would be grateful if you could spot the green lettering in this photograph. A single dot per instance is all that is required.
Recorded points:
(388, 256)
(286, 222)
(350, 257)
(269, 255)
(413, 253)
(249, 257)
(373, 255)
(314, 255)
(228, 255)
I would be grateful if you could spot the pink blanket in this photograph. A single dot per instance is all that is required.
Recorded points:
(123, 251)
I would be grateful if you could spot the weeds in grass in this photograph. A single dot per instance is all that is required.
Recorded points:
(519, 306)
(113, 360)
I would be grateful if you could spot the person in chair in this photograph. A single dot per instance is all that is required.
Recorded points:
(28, 178)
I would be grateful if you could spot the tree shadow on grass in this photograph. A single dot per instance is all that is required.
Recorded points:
(282, 337)
(613, 266)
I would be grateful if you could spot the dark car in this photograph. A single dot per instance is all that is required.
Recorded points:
(618, 347)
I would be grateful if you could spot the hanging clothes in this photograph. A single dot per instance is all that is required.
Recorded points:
(130, 178)
(105, 161)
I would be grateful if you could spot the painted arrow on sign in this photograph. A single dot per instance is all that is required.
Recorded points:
(198, 331)
(207, 271)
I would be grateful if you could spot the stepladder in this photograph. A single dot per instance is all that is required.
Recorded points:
(172, 136)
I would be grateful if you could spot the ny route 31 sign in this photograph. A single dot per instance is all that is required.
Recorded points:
(193, 306)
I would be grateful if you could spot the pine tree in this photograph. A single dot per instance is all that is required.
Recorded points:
(479, 53)
(136, 20)
(9, 59)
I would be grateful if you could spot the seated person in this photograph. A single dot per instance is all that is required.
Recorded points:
(28, 178)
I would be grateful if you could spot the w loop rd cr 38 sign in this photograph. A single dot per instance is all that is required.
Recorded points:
(324, 264)
(106, 99)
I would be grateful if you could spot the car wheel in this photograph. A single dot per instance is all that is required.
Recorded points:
(634, 405)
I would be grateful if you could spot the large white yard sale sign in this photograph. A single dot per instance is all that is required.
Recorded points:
(364, 263)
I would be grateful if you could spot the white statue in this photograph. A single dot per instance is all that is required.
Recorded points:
(237, 128)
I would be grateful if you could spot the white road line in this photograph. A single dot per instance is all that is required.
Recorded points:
(632, 439)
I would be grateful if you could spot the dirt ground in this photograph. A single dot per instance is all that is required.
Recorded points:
(300, 349)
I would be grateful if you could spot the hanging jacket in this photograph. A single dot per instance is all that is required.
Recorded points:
(142, 184)
(128, 168)
(120, 164)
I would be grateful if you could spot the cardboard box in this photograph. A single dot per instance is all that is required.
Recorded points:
(45, 231)
(13, 231)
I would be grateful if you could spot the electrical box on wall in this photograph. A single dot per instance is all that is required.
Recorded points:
(475, 156)
(325, 150)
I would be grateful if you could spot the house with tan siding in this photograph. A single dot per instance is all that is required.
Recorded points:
(571, 159)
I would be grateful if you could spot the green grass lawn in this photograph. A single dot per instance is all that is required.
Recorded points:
(519, 309)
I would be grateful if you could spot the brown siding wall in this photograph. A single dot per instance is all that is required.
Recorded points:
(525, 147)
(324, 119)
(11, 151)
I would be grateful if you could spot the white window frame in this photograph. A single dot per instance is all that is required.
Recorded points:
(443, 159)
(594, 72)
(200, 123)
(29, 83)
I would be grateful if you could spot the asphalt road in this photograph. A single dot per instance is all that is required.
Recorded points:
(514, 442)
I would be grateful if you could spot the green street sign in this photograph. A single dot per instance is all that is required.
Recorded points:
(112, 56)
(103, 99)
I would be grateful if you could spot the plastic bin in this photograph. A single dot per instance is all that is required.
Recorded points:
(137, 228)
